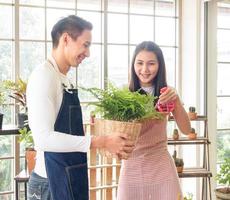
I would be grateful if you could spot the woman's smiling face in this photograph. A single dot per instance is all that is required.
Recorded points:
(146, 67)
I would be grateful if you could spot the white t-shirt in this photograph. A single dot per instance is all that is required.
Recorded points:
(44, 98)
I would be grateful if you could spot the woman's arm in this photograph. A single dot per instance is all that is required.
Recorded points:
(179, 113)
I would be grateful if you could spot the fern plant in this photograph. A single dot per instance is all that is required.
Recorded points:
(123, 105)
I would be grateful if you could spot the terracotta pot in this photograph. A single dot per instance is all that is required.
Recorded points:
(180, 169)
(30, 159)
(221, 195)
(192, 136)
(192, 115)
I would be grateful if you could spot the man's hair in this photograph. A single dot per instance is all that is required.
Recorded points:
(73, 25)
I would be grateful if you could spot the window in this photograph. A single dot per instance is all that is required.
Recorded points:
(223, 91)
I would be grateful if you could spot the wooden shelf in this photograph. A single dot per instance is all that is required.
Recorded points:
(185, 140)
(9, 130)
(194, 172)
(199, 118)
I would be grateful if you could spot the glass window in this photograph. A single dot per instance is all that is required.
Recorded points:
(223, 110)
(223, 42)
(31, 20)
(142, 7)
(118, 6)
(165, 8)
(6, 19)
(31, 55)
(61, 4)
(223, 145)
(223, 79)
(89, 4)
(141, 28)
(117, 28)
(32, 2)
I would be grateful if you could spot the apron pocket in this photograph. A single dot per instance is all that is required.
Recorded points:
(78, 181)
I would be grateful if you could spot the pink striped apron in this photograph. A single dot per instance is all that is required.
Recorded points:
(150, 172)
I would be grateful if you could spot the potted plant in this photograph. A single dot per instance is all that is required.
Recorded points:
(175, 134)
(17, 91)
(223, 178)
(192, 135)
(178, 162)
(188, 196)
(122, 111)
(192, 113)
(30, 153)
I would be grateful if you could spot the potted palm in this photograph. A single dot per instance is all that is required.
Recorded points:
(17, 91)
(30, 153)
(223, 177)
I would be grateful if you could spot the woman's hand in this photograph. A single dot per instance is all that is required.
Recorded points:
(168, 94)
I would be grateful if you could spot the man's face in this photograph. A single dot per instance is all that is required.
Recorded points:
(76, 50)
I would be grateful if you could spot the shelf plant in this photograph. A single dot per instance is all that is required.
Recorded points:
(223, 178)
(17, 91)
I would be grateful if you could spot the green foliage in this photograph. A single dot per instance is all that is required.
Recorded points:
(223, 177)
(123, 105)
(26, 137)
(178, 161)
(16, 90)
(189, 196)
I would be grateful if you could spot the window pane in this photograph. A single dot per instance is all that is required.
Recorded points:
(6, 146)
(223, 110)
(169, 57)
(141, 28)
(95, 19)
(141, 6)
(6, 18)
(61, 4)
(165, 31)
(118, 5)
(89, 4)
(223, 41)
(223, 79)
(223, 145)
(32, 54)
(89, 72)
(32, 23)
(117, 28)
(6, 58)
(223, 16)
(53, 15)
(32, 2)
(165, 8)
(118, 64)
(7, 1)
(6, 175)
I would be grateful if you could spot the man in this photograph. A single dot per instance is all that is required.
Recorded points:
(55, 119)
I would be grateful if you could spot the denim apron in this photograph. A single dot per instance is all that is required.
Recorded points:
(67, 172)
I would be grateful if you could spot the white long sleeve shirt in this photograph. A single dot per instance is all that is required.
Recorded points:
(44, 98)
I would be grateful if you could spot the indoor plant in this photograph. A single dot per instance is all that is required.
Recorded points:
(223, 177)
(17, 91)
(178, 162)
(175, 134)
(192, 113)
(192, 134)
(30, 153)
(123, 111)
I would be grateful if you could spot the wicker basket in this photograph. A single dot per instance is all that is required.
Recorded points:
(133, 129)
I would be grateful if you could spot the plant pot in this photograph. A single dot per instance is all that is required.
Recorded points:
(192, 115)
(221, 194)
(192, 136)
(179, 169)
(22, 117)
(30, 155)
(1, 120)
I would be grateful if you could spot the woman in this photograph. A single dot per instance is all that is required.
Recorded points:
(150, 172)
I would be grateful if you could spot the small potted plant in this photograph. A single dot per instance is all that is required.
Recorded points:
(192, 113)
(175, 134)
(188, 196)
(223, 178)
(30, 153)
(192, 134)
(178, 162)
(17, 91)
